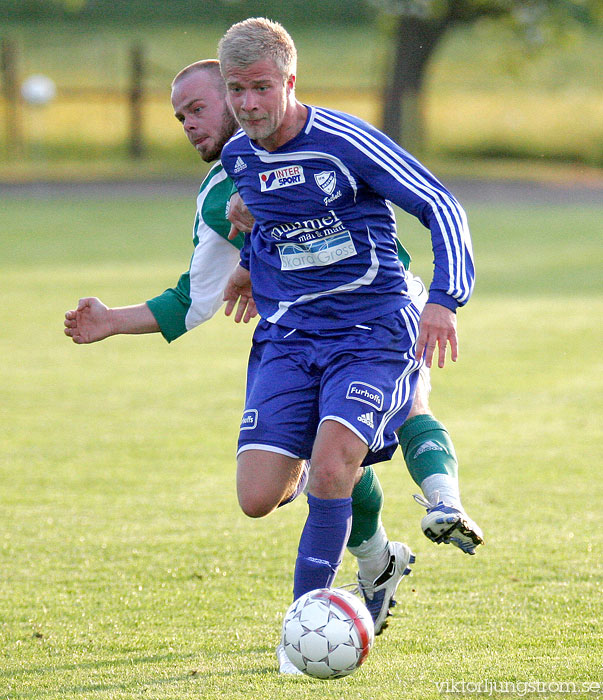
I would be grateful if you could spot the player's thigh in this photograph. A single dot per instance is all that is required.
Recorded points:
(418, 294)
(281, 407)
(264, 480)
(370, 388)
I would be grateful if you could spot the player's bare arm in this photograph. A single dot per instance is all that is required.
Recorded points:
(92, 321)
(238, 289)
(437, 327)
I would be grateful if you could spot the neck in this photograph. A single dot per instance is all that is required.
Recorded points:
(292, 124)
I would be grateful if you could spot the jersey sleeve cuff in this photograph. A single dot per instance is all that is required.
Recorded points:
(443, 299)
(170, 315)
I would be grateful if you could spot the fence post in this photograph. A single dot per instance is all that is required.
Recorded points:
(136, 146)
(10, 90)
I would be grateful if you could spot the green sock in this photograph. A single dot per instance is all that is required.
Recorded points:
(427, 448)
(367, 502)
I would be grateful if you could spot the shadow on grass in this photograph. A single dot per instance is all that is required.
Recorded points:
(64, 690)
(14, 672)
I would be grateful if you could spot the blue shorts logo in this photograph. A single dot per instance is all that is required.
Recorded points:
(249, 420)
(360, 391)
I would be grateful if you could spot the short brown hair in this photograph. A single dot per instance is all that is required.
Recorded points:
(211, 65)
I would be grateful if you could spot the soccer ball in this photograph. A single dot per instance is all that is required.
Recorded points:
(327, 633)
(38, 90)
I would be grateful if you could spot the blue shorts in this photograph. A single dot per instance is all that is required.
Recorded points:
(363, 377)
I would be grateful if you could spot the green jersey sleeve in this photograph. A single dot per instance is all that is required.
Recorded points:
(198, 293)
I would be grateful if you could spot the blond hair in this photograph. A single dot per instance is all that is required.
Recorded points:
(255, 39)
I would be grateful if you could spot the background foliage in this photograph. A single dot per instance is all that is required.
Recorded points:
(487, 90)
(484, 97)
(297, 11)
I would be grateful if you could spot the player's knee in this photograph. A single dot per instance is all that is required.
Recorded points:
(332, 480)
(264, 481)
(256, 505)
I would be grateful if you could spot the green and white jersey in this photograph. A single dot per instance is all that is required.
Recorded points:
(198, 294)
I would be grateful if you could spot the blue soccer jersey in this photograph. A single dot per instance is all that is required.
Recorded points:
(323, 252)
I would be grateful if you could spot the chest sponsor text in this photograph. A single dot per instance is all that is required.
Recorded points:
(296, 255)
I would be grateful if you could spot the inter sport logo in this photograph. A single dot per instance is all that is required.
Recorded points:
(281, 177)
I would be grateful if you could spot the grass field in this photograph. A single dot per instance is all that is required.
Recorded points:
(126, 568)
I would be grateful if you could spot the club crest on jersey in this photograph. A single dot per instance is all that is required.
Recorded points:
(326, 181)
(360, 391)
(250, 419)
(281, 177)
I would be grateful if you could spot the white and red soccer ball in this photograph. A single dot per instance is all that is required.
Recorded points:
(327, 633)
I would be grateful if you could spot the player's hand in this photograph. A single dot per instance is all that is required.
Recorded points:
(239, 216)
(238, 289)
(437, 327)
(88, 323)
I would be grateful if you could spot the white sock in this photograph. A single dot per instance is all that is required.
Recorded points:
(372, 555)
(442, 487)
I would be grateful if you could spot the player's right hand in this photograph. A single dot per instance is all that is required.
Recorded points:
(239, 216)
(238, 289)
(437, 327)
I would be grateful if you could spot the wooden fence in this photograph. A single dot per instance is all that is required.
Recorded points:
(137, 115)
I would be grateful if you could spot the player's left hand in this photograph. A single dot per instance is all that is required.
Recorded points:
(437, 327)
(239, 216)
(238, 288)
(89, 322)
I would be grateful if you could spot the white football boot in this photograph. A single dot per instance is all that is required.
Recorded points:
(450, 525)
(285, 666)
(379, 594)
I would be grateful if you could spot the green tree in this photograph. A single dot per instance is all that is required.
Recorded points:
(416, 27)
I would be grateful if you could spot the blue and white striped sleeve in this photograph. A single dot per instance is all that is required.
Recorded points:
(413, 188)
(396, 175)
